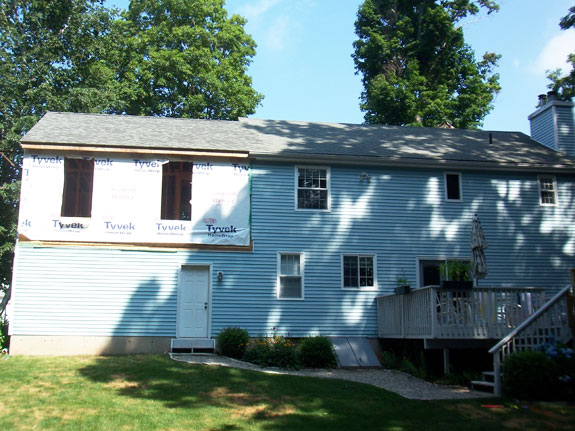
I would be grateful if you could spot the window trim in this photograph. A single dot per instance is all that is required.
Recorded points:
(296, 188)
(445, 174)
(359, 288)
(301, 255)
(555, 195)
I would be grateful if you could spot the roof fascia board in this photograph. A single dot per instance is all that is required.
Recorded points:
(433, 164)
(131, 150)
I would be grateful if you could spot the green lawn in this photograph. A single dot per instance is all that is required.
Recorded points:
(155, 393)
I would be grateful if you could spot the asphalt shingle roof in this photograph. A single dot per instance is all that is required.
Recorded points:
(297, 139)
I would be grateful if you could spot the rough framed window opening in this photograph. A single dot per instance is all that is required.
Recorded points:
(177, 191)
(78, 182)
(290, 280)
(358, 271)
(312, 188)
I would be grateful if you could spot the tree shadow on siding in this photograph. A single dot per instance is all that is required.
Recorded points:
(149, 313)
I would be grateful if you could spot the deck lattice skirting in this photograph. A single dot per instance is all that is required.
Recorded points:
(479, 313)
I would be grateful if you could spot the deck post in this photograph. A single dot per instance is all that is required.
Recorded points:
(497, 373)
(445, 361)
(433, 312)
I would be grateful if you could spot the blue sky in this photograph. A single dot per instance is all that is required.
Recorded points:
(304, 68)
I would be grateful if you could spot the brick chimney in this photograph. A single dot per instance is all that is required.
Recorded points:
(553, 125)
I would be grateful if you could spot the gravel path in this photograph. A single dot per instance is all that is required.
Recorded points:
(395, 381)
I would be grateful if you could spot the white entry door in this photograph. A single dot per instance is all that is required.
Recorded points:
(193, 302)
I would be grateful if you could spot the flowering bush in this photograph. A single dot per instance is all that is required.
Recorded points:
(545, 374)
(233, 342)
(276, 351)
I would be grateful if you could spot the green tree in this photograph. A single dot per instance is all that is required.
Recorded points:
(565, 85)
(50, 59)
(184, 59)
(417, 69)
(161, 57)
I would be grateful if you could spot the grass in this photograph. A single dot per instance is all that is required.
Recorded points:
(152, 392)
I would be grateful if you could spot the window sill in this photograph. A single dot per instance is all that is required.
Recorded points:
(360, 289)
(313, 210)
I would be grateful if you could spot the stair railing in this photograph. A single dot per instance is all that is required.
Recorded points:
(550, 321)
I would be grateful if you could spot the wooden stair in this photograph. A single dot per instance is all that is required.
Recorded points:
(487, 384)
(193, 345)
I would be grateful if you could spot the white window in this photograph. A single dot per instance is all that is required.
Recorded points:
(547, 190)
(358, 271)
(290, 276)
(452, 182)
(312, 188)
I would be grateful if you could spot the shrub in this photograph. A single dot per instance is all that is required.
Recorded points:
(233, 342)
(530, 376)
(317, 352)
(4, 334)
(276, 351)
(391, 361)
(258, 353)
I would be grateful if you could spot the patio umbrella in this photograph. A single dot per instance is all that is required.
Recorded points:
(478, 246)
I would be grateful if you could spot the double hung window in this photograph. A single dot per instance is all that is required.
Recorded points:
(547, 190)
(312, 188)
(290, 276)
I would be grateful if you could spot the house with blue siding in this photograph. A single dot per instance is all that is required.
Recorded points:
(138, 231)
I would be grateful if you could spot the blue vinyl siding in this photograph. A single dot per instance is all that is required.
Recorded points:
(565, 129)
(398, 215)
(543, 128)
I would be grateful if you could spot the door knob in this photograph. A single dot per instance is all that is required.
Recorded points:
(205, 305)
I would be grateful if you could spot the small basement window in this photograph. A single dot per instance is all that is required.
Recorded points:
(177, 191)
(453, 187)
(312, 191)
(290, 276)
(547, 190)
(358, 271)
(78, 183)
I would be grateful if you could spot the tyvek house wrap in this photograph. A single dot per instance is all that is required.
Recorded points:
(126, 203)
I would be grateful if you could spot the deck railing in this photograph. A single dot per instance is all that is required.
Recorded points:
(477, 313)
(549, 322)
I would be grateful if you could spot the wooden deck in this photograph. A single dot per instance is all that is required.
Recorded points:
(436, 314)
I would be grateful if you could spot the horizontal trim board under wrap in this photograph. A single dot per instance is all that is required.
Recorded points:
(134, 150)
(412, 163)
(131, 246)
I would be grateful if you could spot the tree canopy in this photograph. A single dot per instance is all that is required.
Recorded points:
(184, 59)
(417, 69)
(161, 57)
(565, 85)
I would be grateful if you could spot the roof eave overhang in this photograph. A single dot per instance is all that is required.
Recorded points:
(417, 163)
(406, 162)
